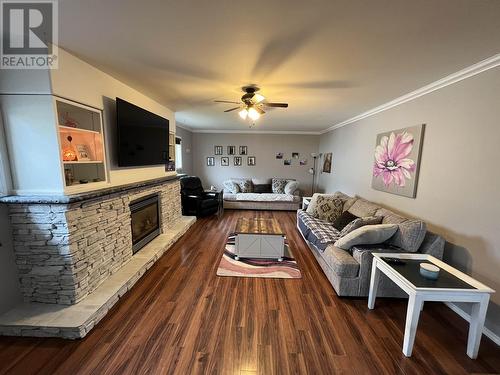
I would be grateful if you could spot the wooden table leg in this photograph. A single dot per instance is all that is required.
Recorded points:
(478, 315)
(412, 315)
(374, 278)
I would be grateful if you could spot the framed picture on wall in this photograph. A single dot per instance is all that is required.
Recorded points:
(218, 150)
(231, 150)
(327, 163)
(237, 161)
(210, 161)
(396, 161)
(243, 150)
(224, 161)
(251, 161)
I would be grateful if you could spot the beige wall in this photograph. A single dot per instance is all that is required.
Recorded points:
(264, 147)
(459, 186)
(79, 81)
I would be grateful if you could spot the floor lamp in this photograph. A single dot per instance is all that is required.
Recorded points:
(313, 170)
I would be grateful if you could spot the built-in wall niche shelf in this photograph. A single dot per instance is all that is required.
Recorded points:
(171, 152)
(81, 141)
(83, 162)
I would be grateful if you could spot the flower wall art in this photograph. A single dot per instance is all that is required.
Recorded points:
(397, 161)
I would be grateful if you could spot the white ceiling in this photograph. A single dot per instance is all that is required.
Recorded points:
(329, 59)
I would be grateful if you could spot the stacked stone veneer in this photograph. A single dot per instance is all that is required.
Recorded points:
(65, 251)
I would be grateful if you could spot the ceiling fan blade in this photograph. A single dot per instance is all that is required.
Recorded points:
(260, 110)
(232, 109)
(226, 101)
(276, 105)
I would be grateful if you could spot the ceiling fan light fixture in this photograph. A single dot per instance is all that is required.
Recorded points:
(253, 114)
(257, 98)
(243, 113)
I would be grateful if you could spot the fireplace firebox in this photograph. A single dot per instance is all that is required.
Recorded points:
(145, 214)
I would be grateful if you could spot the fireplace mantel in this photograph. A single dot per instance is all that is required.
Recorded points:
(65, 199)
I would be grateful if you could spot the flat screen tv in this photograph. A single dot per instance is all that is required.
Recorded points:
(142, 136)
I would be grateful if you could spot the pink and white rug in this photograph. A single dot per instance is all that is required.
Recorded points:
(265, 268)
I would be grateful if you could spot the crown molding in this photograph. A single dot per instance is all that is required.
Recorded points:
(482, 66)
(230, 131)
(182, 126)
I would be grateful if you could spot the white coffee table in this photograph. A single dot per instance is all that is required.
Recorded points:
(451, 286)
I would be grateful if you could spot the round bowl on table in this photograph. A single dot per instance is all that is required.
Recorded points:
(429, 271)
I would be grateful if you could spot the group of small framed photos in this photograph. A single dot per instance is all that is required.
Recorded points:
(287, 161)
(231, 150)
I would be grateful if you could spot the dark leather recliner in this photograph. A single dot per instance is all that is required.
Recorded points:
(196, 201)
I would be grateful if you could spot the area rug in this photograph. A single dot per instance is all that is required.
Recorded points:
(265, 268)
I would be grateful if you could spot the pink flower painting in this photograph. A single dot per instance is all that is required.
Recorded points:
(392, 163)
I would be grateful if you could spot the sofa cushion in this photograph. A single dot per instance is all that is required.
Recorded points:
(262, 188)
(360, 222)
(318, 232)
(261, 181)
(245, 185)
(343, 220)
(291, 186)
(367, 235)
(329, 208)
(266, 197)
(410, 235)
(231, 186)
(278, 185)
(363, 208)
(390, 217)
(340, 261)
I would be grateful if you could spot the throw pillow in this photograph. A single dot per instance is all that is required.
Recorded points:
(311, 208)
(261, 181)
(363, 208)
(231, 186)
(360, 222)
(291, 186)
(245, 186)
(278, 185)
(343, 220)
(410, 235)
(367, 235)
(262, 188)
(329, 208)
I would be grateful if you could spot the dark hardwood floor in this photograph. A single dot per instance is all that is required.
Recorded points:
(181, 318)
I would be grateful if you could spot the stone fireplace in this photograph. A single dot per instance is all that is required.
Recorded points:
(145, 221)
(65, 247)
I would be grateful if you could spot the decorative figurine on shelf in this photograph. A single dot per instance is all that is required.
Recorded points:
(68, 175)
(69, 121)
(69, 153)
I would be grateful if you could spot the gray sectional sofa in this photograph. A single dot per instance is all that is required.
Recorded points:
(349, 270)
(260, 196)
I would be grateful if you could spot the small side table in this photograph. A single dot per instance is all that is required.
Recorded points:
(220, 198)
(451, 286)
(305, 202)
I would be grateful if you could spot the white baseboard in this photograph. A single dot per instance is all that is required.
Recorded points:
(487, 332)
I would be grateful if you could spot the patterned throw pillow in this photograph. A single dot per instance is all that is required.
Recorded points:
(279, 185)
(360, 222)
(245, 186)
(329, 208)
(231, 186)
(291, 186)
